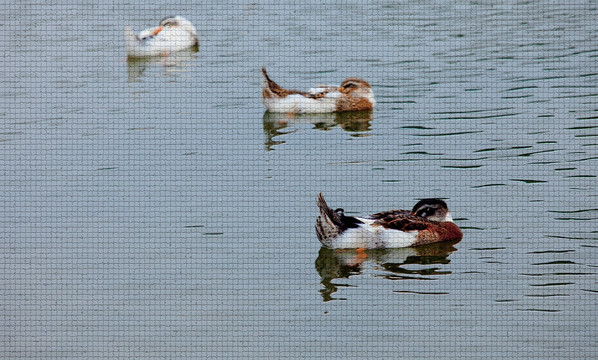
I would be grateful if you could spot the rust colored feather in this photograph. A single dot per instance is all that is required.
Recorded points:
(274, 90)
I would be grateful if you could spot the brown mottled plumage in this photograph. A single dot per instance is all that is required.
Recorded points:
(351, 88)
(427, 231)
(354, 94)
(274, 90)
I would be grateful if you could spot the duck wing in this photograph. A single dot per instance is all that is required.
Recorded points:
(401, 220)
(323, 91)
(389, 215)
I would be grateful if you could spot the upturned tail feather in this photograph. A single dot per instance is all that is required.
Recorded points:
(326, 211)
(328, 224)
(332, 223)
(270, 84)
(276, 89)
(130, 36)
(132, 42)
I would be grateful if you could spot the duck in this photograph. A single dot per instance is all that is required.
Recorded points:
(428, 222)
(174, 33)
(354, 94)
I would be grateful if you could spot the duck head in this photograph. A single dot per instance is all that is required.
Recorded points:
(357, 88)
(180, 22)
(432, 209)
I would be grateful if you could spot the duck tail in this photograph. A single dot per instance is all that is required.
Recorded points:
(329, 224)
(266, 77)
(131, 42)
(270, 88)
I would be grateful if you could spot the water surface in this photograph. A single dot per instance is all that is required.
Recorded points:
(152, 208)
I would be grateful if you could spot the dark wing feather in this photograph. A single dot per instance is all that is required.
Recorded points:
(403, 221)
(389, 215)
(349, 221)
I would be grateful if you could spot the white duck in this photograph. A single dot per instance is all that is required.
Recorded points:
(173, 34)
(354, 94)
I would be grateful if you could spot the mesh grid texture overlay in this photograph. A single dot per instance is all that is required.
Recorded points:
(153, 208)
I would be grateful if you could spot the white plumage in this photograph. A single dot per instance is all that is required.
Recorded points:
(173, 34)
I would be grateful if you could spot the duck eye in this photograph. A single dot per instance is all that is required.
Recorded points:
(428, 211)
(167, 22)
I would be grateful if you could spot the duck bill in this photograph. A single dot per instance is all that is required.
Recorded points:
(157, 31)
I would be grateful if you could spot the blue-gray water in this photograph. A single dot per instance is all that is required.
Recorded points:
(151, 208)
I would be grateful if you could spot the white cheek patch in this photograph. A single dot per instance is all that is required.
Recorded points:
(370, 97)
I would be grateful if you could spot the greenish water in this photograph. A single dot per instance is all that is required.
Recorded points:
(151, 208)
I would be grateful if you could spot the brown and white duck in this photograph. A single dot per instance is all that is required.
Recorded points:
(353, 94)
(428, 222)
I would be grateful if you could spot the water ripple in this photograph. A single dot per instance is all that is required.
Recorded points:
(479, 117)
(461, 166)
(572, 211)
(551, 251)
(419, 292)
(529, 181)
(557, 262)
(552, 284)
(450, 134)
(487, 185)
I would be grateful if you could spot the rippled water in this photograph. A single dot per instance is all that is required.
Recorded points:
(152, 208)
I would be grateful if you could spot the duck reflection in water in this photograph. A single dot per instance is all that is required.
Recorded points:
(333, 264)
(356, 123)
(172, 63)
